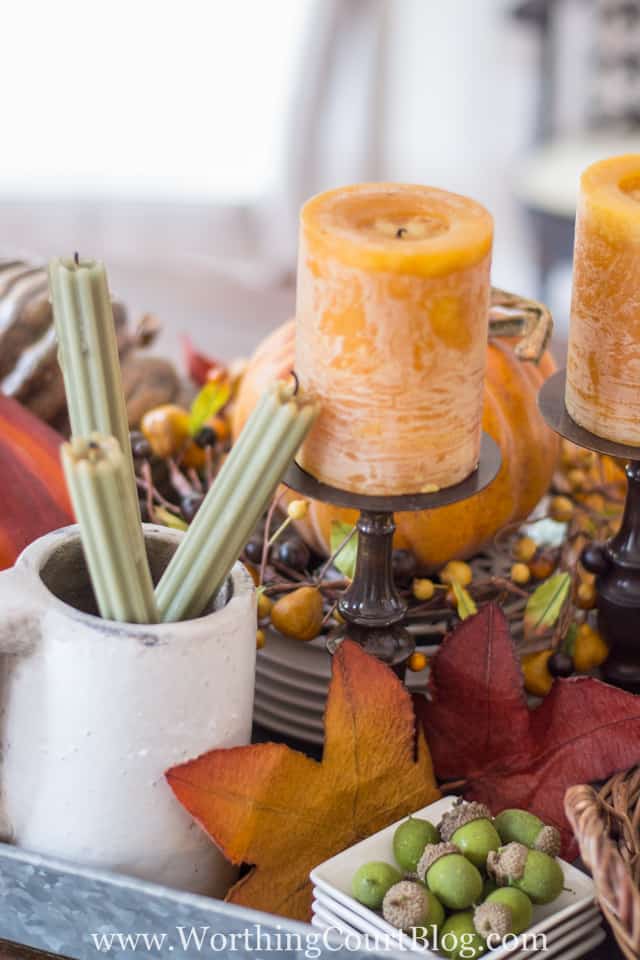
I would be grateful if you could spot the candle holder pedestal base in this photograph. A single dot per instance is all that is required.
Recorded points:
(371, 607)
(616, 563)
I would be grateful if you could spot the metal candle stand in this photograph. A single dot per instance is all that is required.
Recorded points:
(371, 607)
(616, 563)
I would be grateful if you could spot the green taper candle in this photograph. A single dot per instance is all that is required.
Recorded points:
(234, 503)
(88, 351)
(97, 476)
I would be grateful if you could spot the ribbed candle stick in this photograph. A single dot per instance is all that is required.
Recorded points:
(234, 504)
(88, 351)
(97, 475)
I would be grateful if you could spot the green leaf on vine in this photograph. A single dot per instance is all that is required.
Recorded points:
(209, 401)
(464, 601)
(345, 559)
(545, 604)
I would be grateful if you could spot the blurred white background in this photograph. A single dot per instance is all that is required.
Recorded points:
(177, 140)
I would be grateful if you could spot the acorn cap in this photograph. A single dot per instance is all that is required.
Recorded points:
(508, 862)
(548, 841)
(433, 852)
(460, 814)
(493, 919)
(406, 905)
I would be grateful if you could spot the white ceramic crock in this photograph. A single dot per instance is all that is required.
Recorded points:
(93, 712)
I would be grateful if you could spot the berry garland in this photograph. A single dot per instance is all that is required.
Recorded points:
(534, 574)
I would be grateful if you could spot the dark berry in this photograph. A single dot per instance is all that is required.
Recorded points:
(190, 505)
(560, 664)
(403, 565)
(253, 550)
(594, 558)
(206, 437)
(140, 446)
(293, 553)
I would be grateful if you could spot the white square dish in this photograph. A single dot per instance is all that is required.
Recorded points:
(333, 880)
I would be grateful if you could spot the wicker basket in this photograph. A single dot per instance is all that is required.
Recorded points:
(607, 826)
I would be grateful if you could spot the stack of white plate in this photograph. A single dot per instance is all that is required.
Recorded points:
(292, 680)
(566, 929)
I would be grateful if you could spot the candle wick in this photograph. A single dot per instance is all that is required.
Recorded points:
(76, 258)
(400, 232)
(296, 383)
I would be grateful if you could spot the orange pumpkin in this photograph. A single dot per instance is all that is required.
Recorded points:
(33, 494)
(529, 454)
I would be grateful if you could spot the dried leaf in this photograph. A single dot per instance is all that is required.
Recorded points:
(212, 398)
(464, 601)
(198, 364)
(545, 604)
(481, 730)
(345, 560)
(276, 808)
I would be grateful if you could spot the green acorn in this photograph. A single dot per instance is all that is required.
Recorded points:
(459, 939)
(371, 882)
(506, 910)
(409, 841)
(524, 827)
(454, 880)
(410, 906)
(470, 827)
(535, 873)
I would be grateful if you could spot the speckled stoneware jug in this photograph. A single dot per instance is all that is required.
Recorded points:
(93, 712)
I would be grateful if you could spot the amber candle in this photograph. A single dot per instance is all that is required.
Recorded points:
(393, 288)
(603, 365)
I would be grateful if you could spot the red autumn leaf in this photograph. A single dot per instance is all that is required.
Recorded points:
(480, 729)
(32, 488)
(199, 365)
(285, 813)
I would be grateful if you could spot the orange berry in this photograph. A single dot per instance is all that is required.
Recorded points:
(458, 571)
(423, 589)
(417, 661)
(298, 509)
(561, 509)
(166, 428)
(525, 549)
(576, 479)
(265, 605)
(520, 573)
(589, 649)
(537, 679)
(260, 639)
(541, 567)
(586, 595)
(299, 614)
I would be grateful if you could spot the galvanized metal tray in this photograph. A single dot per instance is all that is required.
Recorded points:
(83, 913)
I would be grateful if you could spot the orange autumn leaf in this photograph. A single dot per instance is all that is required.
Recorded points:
(275, 808)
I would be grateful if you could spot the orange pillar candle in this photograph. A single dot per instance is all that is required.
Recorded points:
(392, 301)
(603, 365)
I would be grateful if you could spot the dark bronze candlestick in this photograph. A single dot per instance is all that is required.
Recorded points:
(616, 563)
(372, 608)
